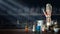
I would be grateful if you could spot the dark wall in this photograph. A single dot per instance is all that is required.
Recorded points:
(13, 10)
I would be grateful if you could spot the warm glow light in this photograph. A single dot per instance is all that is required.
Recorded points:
(48, 24)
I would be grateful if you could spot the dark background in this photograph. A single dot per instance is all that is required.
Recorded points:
(26, 11)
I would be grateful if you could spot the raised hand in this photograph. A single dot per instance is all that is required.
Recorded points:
(44, 12)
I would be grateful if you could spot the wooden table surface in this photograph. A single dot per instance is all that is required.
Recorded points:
(20, 31)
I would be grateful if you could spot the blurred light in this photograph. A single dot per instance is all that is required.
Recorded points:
(48, 24)
(55, 23)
